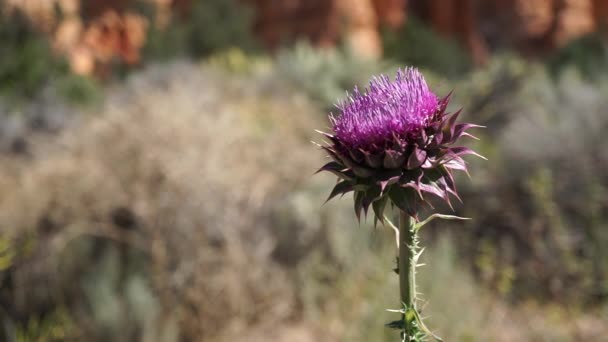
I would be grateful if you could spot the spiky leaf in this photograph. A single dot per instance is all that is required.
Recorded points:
(341, 188)
(379, 205)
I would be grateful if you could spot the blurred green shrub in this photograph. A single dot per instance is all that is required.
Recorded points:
(588, 54)
(29, 67)
(416, 44)
(54, 327)
(79, 90)
(209, 26)
(27, 62)
(6, 253)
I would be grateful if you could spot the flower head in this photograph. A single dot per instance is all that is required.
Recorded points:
(401, 108)
(394, 142)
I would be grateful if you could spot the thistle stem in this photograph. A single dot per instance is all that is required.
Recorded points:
(407, 268)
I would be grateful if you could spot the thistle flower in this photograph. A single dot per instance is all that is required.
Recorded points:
(395, 141)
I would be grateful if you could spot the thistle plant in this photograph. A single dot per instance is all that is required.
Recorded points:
(393, 145)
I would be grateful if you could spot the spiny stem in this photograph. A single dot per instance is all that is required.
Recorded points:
(407, 267)
(409, 254)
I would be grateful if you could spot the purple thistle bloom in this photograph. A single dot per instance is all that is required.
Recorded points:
(394, 142)
(401, 108)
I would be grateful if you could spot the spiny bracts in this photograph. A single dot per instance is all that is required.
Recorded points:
(394, 143)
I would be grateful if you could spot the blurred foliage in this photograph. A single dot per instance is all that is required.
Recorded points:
(7, 254)
(79, 90)
(588, 54)
(27, 62)
(54, 327)
(237, 61)
(541, 199)
(416, 44)
(209, 27)
(29, 67)
(326, 75)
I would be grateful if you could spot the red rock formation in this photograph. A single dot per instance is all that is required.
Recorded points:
(390, 12)
(110, 38)
(279, 22)
(360, 27)
(458, 19)
(575, 20)
(325, 22)
(600, 11)
(92, 34)
(533, 27)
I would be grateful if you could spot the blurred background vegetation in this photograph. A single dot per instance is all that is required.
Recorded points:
(156, 171)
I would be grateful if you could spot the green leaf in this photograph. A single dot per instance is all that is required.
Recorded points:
(424, 328)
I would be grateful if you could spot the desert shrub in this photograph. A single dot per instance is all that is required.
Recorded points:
(54, 107)
(468, 312)
(540, 200)
(566, 181)
(130, 193)
(416, 44)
